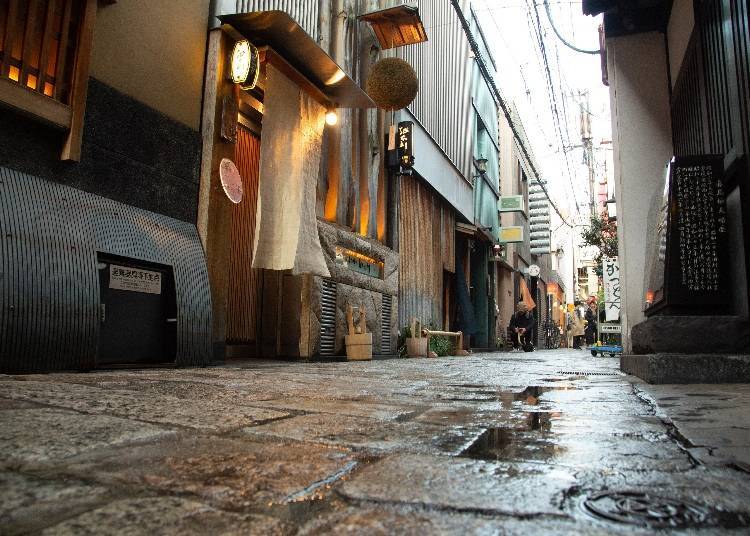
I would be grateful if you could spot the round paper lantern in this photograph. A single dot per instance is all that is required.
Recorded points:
(392, 84)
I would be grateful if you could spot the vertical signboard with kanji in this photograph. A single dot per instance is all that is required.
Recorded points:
(611, 276)
(404, 144)
(695, 272)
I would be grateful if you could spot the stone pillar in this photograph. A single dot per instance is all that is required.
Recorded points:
(642, 139)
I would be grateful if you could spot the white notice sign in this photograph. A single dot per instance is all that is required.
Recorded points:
(611, 270)
(134, 279)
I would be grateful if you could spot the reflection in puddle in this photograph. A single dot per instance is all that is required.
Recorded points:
(529, 440)
(529, 396)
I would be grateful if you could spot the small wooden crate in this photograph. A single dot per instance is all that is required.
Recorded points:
(358, 346)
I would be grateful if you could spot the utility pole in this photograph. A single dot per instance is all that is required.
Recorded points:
(588, 146)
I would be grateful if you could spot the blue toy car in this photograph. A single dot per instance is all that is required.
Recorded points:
(613, 350)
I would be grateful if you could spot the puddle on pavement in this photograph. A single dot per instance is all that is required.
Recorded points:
(529, 396)
(528, 435)
(530, 440)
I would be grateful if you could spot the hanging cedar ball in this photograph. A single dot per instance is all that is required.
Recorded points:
(392, 84)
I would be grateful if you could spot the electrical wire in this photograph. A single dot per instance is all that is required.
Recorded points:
(560, 37)
(501, 102)
(537, 28)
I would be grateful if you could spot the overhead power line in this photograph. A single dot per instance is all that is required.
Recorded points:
(560, 37)
(537, 28)
(501, 102)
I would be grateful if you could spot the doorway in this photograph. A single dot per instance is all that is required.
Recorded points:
(137, 312)
(245, 282)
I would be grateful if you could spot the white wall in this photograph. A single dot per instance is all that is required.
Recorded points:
(154, 52)
(679, 30)
(641, 136)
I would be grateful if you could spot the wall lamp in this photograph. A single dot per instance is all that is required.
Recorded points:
(331, 117)
(481, 164)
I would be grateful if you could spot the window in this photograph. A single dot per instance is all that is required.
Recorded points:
(44, 56)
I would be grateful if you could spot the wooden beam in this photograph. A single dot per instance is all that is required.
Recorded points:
(30, 102)
(49, 20)
(62, 52)
(295, 76)
(11, 25)
(72, 148)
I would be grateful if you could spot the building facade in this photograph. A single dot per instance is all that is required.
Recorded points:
(679, 86)
(99, 157)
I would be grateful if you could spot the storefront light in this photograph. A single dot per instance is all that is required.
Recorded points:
(331, 117)
(245, 64)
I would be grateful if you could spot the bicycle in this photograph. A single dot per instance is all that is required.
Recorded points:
(551, 335)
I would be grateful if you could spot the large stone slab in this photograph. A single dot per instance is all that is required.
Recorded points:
(369, 434)
(235, 474)
(28, 503)
(461, 484)
(206, 413)
(688, 368)
(691, 335)
(47, 436)
(355, 408)
(386, 520)
(165, 515)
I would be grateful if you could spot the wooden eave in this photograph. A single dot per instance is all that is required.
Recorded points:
(396, 26)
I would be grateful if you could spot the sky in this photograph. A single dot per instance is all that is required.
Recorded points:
(513, 29)
(510, 26)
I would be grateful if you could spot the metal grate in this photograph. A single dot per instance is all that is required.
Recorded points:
(328, 318)
(385, 324)
(655, 512)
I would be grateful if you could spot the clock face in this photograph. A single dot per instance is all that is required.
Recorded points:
(533, 270)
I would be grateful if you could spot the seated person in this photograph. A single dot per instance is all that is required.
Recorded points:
(521, 326)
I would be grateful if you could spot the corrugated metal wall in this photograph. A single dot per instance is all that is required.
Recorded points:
(305, 12)
(427, 247)
(49, 289)
(443, 103)
(244, 281)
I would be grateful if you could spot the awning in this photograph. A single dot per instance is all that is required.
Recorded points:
(396, 26)
(281, 33)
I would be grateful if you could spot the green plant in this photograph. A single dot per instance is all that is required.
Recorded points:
(601, 234)
(442, 346)
(402, 336)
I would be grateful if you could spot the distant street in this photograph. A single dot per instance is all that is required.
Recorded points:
(493, 443)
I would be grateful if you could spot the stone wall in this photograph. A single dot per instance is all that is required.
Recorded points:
(354, 288)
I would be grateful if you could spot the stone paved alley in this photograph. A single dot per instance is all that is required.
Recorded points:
(488, 444)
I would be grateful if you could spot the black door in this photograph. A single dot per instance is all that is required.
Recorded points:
(137, 312)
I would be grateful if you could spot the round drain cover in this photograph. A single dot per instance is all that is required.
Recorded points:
(646, 510)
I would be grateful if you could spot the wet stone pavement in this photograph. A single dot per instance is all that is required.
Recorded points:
(553, 442)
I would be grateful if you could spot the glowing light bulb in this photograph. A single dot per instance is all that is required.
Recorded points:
(331, 118)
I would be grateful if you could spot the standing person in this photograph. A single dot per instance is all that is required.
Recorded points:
(591, 323)
(577, 325)
(522, 325)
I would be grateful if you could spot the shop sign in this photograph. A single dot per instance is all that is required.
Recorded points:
(610, 328)
(134, 279)
(611, 273)
(510, 203)
(359, 262)
(231, 180)
(511, 234)
(404, 139)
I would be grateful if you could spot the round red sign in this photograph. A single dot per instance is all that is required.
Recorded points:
(231, 180)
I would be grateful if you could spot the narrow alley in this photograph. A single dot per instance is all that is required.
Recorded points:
(553, 442)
